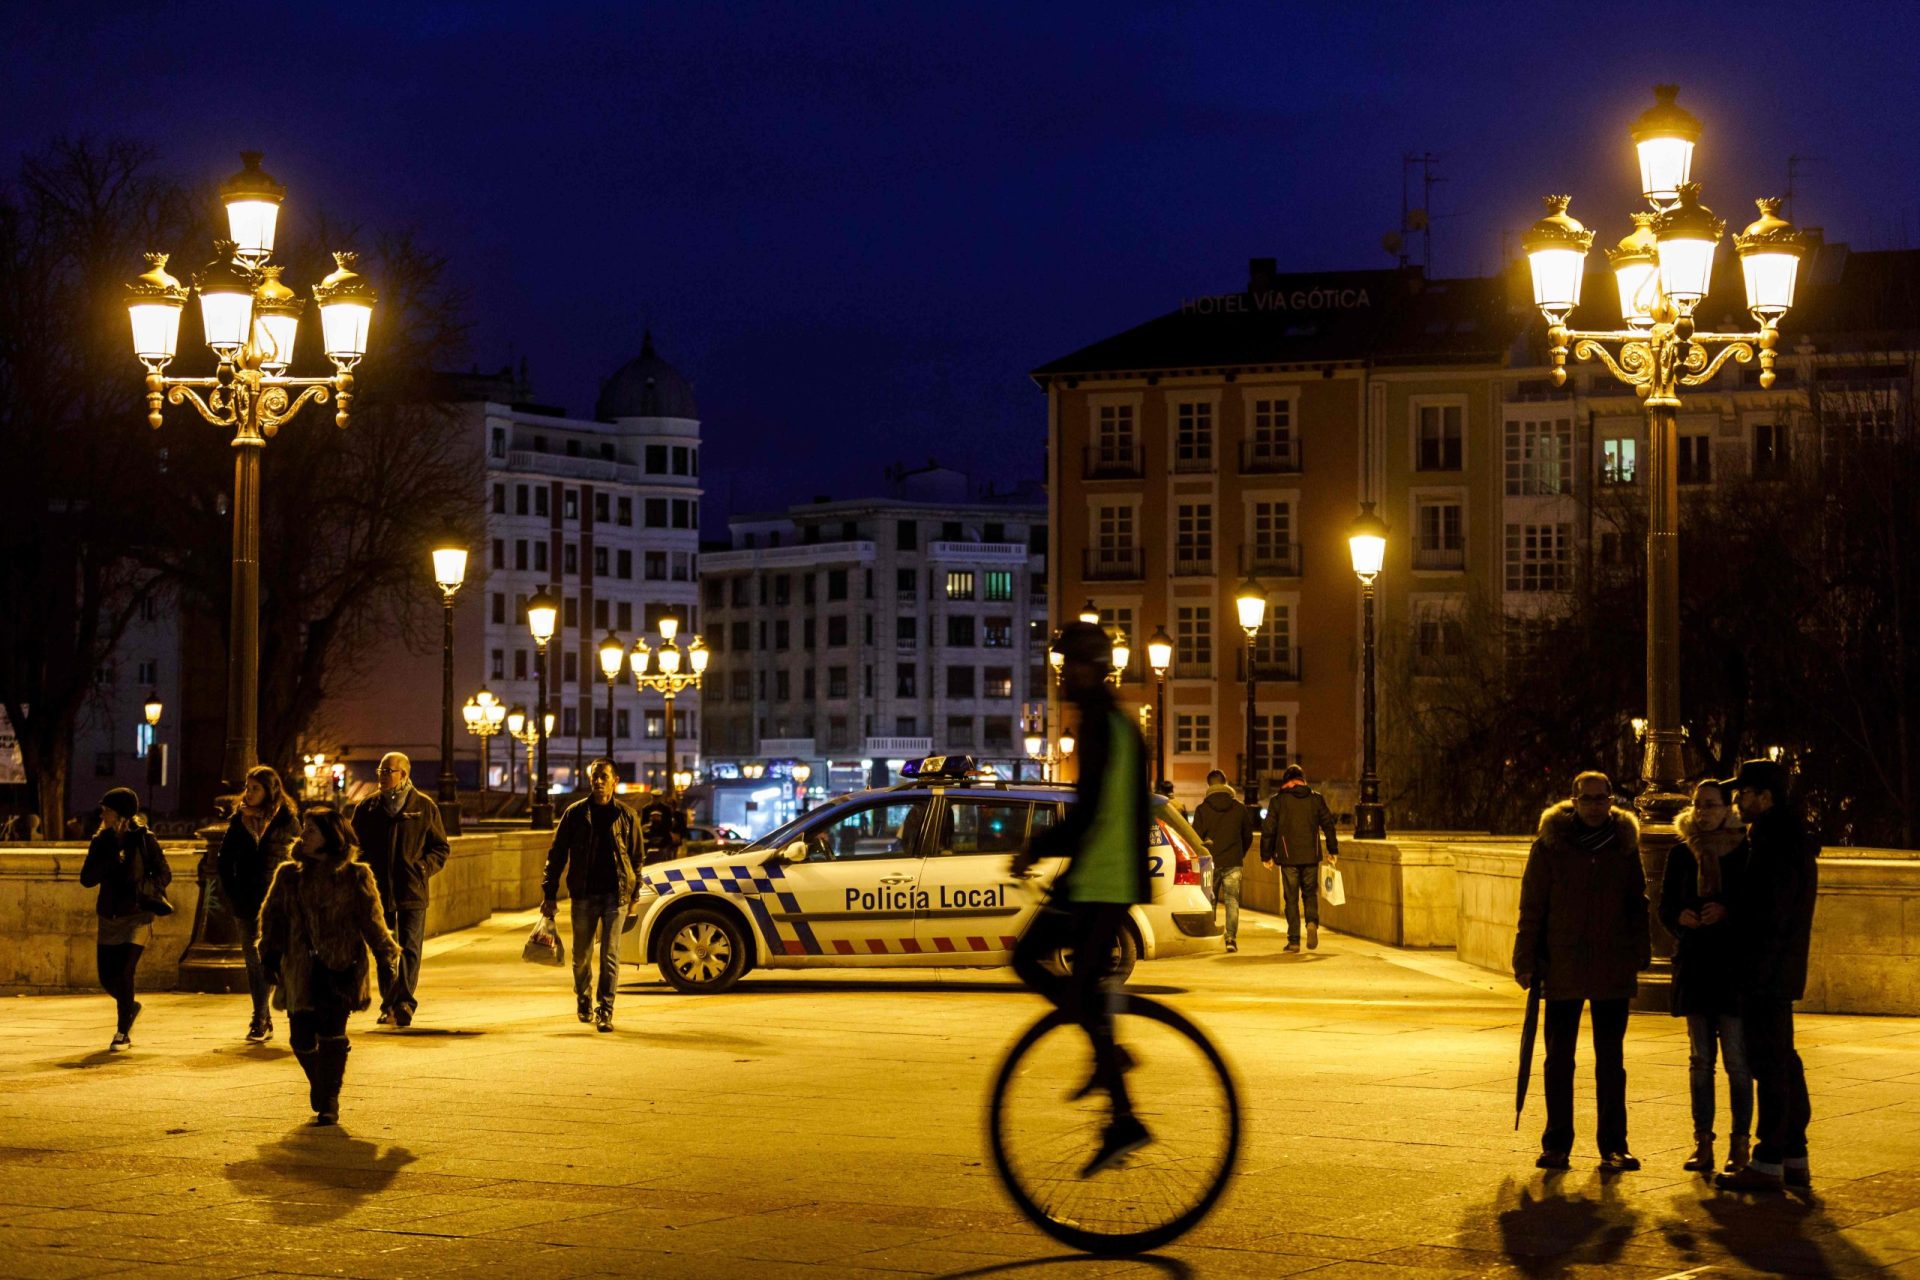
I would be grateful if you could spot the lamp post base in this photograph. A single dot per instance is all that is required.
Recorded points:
(542, 816)
(450, 816)
(213, 962)
(1369, 821)
(1656, 984)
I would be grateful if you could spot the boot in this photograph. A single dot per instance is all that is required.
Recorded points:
(310, 1063)
(332, 1068)
(1701, 1161)
(1737, 1154)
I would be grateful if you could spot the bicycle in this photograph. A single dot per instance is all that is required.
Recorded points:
(1040, 1138)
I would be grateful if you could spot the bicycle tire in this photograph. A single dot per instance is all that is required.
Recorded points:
(1071, 1233)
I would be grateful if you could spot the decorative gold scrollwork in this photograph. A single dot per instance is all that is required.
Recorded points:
(219, 415)
(1633, 355)
(1701, 370)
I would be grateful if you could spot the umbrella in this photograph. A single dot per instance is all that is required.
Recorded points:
(1529, 1032)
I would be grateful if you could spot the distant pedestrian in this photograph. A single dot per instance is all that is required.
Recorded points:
(321, 915)
(1701, 872)
(663, 826)
(1772, 916)
(259, 838)
(1585, 935)
(122, 858)
(598, 845)
(1164, 787)
(1297, 819)
(1228, 828)
(403, 841)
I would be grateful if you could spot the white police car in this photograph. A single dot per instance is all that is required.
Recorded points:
(914, 875)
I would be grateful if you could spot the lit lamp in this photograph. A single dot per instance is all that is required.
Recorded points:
(1089, 614)
(801, 772)
(226, 302)
(1770, 252)
(1684, 240)
(542, 613)
(1160, 659)
(1035, 744)
(154, 305)
(666, 678)
(152, 709)
(449, 571)
(1250, 602)
(1122, 654)
(253, 199)
(1664, 136)
(1367, 546)
(484, 713)
(1066, 744)
(346, 311)
(276, 321)
(1635, 275)
(613, 656)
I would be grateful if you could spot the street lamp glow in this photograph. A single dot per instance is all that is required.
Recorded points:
(449, 568)
(1770, 251)
(473, 713)
(1634, 272)
(613, 656)
(669, 658)
(152, 709)
(1556, 249)
(1122, 651)
(541, 615)
(496, 710)
(1367, 543)
(346, 310)
(226, 303)
(154, 305)
(669, 627)
(1090, 615)
(1057, 660)
(697, 654)
(253, 202)
(1066, 744)
(517, 721)
(1160, 651)
(1664, 136)
(637, 660)
(1251, 603)
(276, 321)
(801, 772)
(1035, 744)
(1684, 240)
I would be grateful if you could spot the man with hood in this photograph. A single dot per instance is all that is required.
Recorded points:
(1297, 818)
(1227, 827)
(1584, 934)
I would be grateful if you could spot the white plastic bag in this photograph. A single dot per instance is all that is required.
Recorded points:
(1333, 890)
(543, 945)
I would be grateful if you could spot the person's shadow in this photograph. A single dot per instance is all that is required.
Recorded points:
(1782, 1234)
(1542, 1231)
(316, 1174)
(1071, 1263)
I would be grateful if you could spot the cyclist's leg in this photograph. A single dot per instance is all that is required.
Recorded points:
(1050, 930)
(1096, 928)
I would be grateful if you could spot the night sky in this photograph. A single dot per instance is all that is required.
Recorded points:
(856, 227)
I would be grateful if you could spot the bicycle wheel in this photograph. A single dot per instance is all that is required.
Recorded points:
(1181, 1090)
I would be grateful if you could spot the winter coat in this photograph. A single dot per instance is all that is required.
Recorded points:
(1704, 957)
(246, 864)
(1297, 816)
(404, 849)
(1772, 908)
(572, 851)
(1226, 825)
(1098, 723)
(663, 826)
(1583, 928)
(116, 862)
(327, 913)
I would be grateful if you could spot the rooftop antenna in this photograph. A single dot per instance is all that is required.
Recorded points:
(1415, 219)
(1793, 178)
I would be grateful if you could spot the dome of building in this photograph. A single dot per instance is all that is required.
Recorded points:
(646, 387)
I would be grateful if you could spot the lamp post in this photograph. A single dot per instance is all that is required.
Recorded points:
(250, 319)
(484, 714)
(1160, 658)
(1367, 544)
(613, 656)
(1250, 601)
(1122, 655)
(667, 679)
(449, 571)
(530, 733)
(151, 710)
(801, 773)
(1662, 271)
(541, 615)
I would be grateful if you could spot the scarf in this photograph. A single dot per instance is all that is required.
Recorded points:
(1594, 839)
(393, 801)
(1708, 848)
(257, 820)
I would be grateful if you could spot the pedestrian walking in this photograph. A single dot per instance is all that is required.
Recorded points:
(1584, 934)
(259, 838)
(126, 863)
(1772, 917)
(598, 845)
(1710, 857)
(1297, 819)
(402, 839)
(663, 826)
(1164, 787)
(1228, 828)
(322, 913)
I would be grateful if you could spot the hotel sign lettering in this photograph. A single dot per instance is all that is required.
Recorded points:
(1319, 298)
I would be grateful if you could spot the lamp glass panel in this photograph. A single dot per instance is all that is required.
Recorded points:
(1770, 281)
(496, 712)
(1368, 551)
(251, 224)
(1056, 660)
(273, 336)
(699, 658)
(516, 722)
(1636, 281)
(449, 566)
(1686, 266)
(344, 326)
(228, 319)
(156, 330)
(540, 622)
(1253, 611)
(1556, 278)
(1665, 163)
(670, 659)
(1159, 655)
(612, 658)
(669, 628)
(472, 712)
(1034, 743)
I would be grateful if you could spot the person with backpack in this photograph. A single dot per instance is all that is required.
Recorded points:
(125, 862)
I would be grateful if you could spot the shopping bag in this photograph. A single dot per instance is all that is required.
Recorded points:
(543, 945)
(1333, 890)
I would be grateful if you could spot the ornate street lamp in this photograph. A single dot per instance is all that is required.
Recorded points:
(1089, 614)
(1122, 655)
(613, 656)
(1367, 545)
(449, 571)
(1250, 602)
(667, 679)
(541, 615)
(484, 714)
(532, 734)
(1663, 270)
(1160, 658)
(151, 710)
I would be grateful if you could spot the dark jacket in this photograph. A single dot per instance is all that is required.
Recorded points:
(663, 828)
(1583, 916)
(1297, 816)
(1227, 827)
(1772, 907)
(1098, 724)
(246, 864)
(573, 851)
(404, 849)
(1704, 957)
(327, 913)
(116, 861)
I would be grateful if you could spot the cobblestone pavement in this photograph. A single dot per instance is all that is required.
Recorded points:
(830, 1126)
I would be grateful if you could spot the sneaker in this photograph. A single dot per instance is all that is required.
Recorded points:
(402, 1015)
(1093, 1080)
(1313, 937)
(584, 1007)
(121, 1042)
(603, 1021)
(1293, 947)
(1551, 1160)
(1122, 1138)
(1619, 1162)
(1749, 1179)
(386, 1016)
(260, 1030)
(1232, 946)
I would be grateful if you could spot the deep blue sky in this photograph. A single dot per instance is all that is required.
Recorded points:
(857, 226)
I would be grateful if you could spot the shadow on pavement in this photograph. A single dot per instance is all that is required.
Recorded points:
(815, 986)
(310, 1159)
(1780, 1234)
(1168, 1266)
(98, 1058)
(1542, 1231)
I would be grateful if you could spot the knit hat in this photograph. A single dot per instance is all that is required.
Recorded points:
(122, 801)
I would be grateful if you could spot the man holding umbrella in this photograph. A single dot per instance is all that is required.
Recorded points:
(1584, 937)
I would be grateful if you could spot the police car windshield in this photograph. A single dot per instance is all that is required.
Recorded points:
(782, 835)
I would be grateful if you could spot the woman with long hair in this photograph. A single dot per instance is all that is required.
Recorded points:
(125, 862)
(259, 838)
(321, 915)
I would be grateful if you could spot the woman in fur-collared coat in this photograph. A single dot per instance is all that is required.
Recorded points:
(321, 915)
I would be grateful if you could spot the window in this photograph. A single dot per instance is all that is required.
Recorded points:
(499, 499)
(782, 634)
(624, 508)
(602, 615)
(1696, 459)
(1113, 434)
(1193, 641)
(683, 509)
(1192, 734)
(806, 683)
(656, 457)
(983, 826)
(1113, 536)
(999, 734)
(1122, 620)
(1273, 642)
(654, 724)
(836, 584)
(960, 584)
(656, 510)
(1539, 458)
(681, 466)
(741, 641)
(906, 681)
(997, 633)
(497, 665)
(656, 567)
(519, 499)
(960, 682)
(998, 682)
(960, 632)
(570, 504)
(1270, 742)
(499, 553)
(601, 504)
(782, 590)
(1439, 534)
(906, 535)
(147, 672)
(906, 726)
(1271, 538)
(519, 664)
(1439, 436)
(570, 560)
(1193, 436)
(519, 553)
(623, 564)
(836, 682)
(1539, 557)
(807, 634)
(1437, 634)
(500, 608)
(623, 615)
(837, 632)
(540, 556)
(540, 495)
(959, 731)
(1619, 461)
(1769, 451)
(1193, 538)
(890, 829)
(570, 668)
(1272, 441)
(600, 562)
(622, 724)
(999, 584)
(906, 632)
(499, 442)
(782, 686)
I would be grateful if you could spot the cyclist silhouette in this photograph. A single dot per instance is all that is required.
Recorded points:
(1104, 840)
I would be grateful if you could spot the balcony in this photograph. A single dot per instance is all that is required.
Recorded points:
(1201, 464)
(1011, 554)
(1113, 564)
(1187, 564)
(1440, 559)
(1190, 669)
(1274, 560)
(897, 748)
(787, 748)
(1270, 457)
(1124, 463)
(561, 464)
(1275, 664)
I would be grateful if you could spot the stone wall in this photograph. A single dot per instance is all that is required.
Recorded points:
(1399, 891)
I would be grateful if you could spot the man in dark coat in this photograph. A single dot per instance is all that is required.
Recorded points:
(402, 840)
(1584, 935)
(663, 825)
(1227, 827)
(1297, 819)
(1772, 918)
(597, 844)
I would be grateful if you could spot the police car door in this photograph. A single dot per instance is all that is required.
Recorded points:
(973, 913)
(852, 901)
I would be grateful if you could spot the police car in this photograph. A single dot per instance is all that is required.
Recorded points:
(910, 876)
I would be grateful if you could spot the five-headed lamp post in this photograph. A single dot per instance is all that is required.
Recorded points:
(449, 571)
(250, 320)
(1160, 659)
(1250, 601)
(1367, 544)
(613, 656)
(1662, 271)
(542, 613)
(668, 679)
(484, 713)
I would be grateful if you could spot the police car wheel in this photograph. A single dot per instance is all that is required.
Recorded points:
(1126, 954)
(703, 952)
